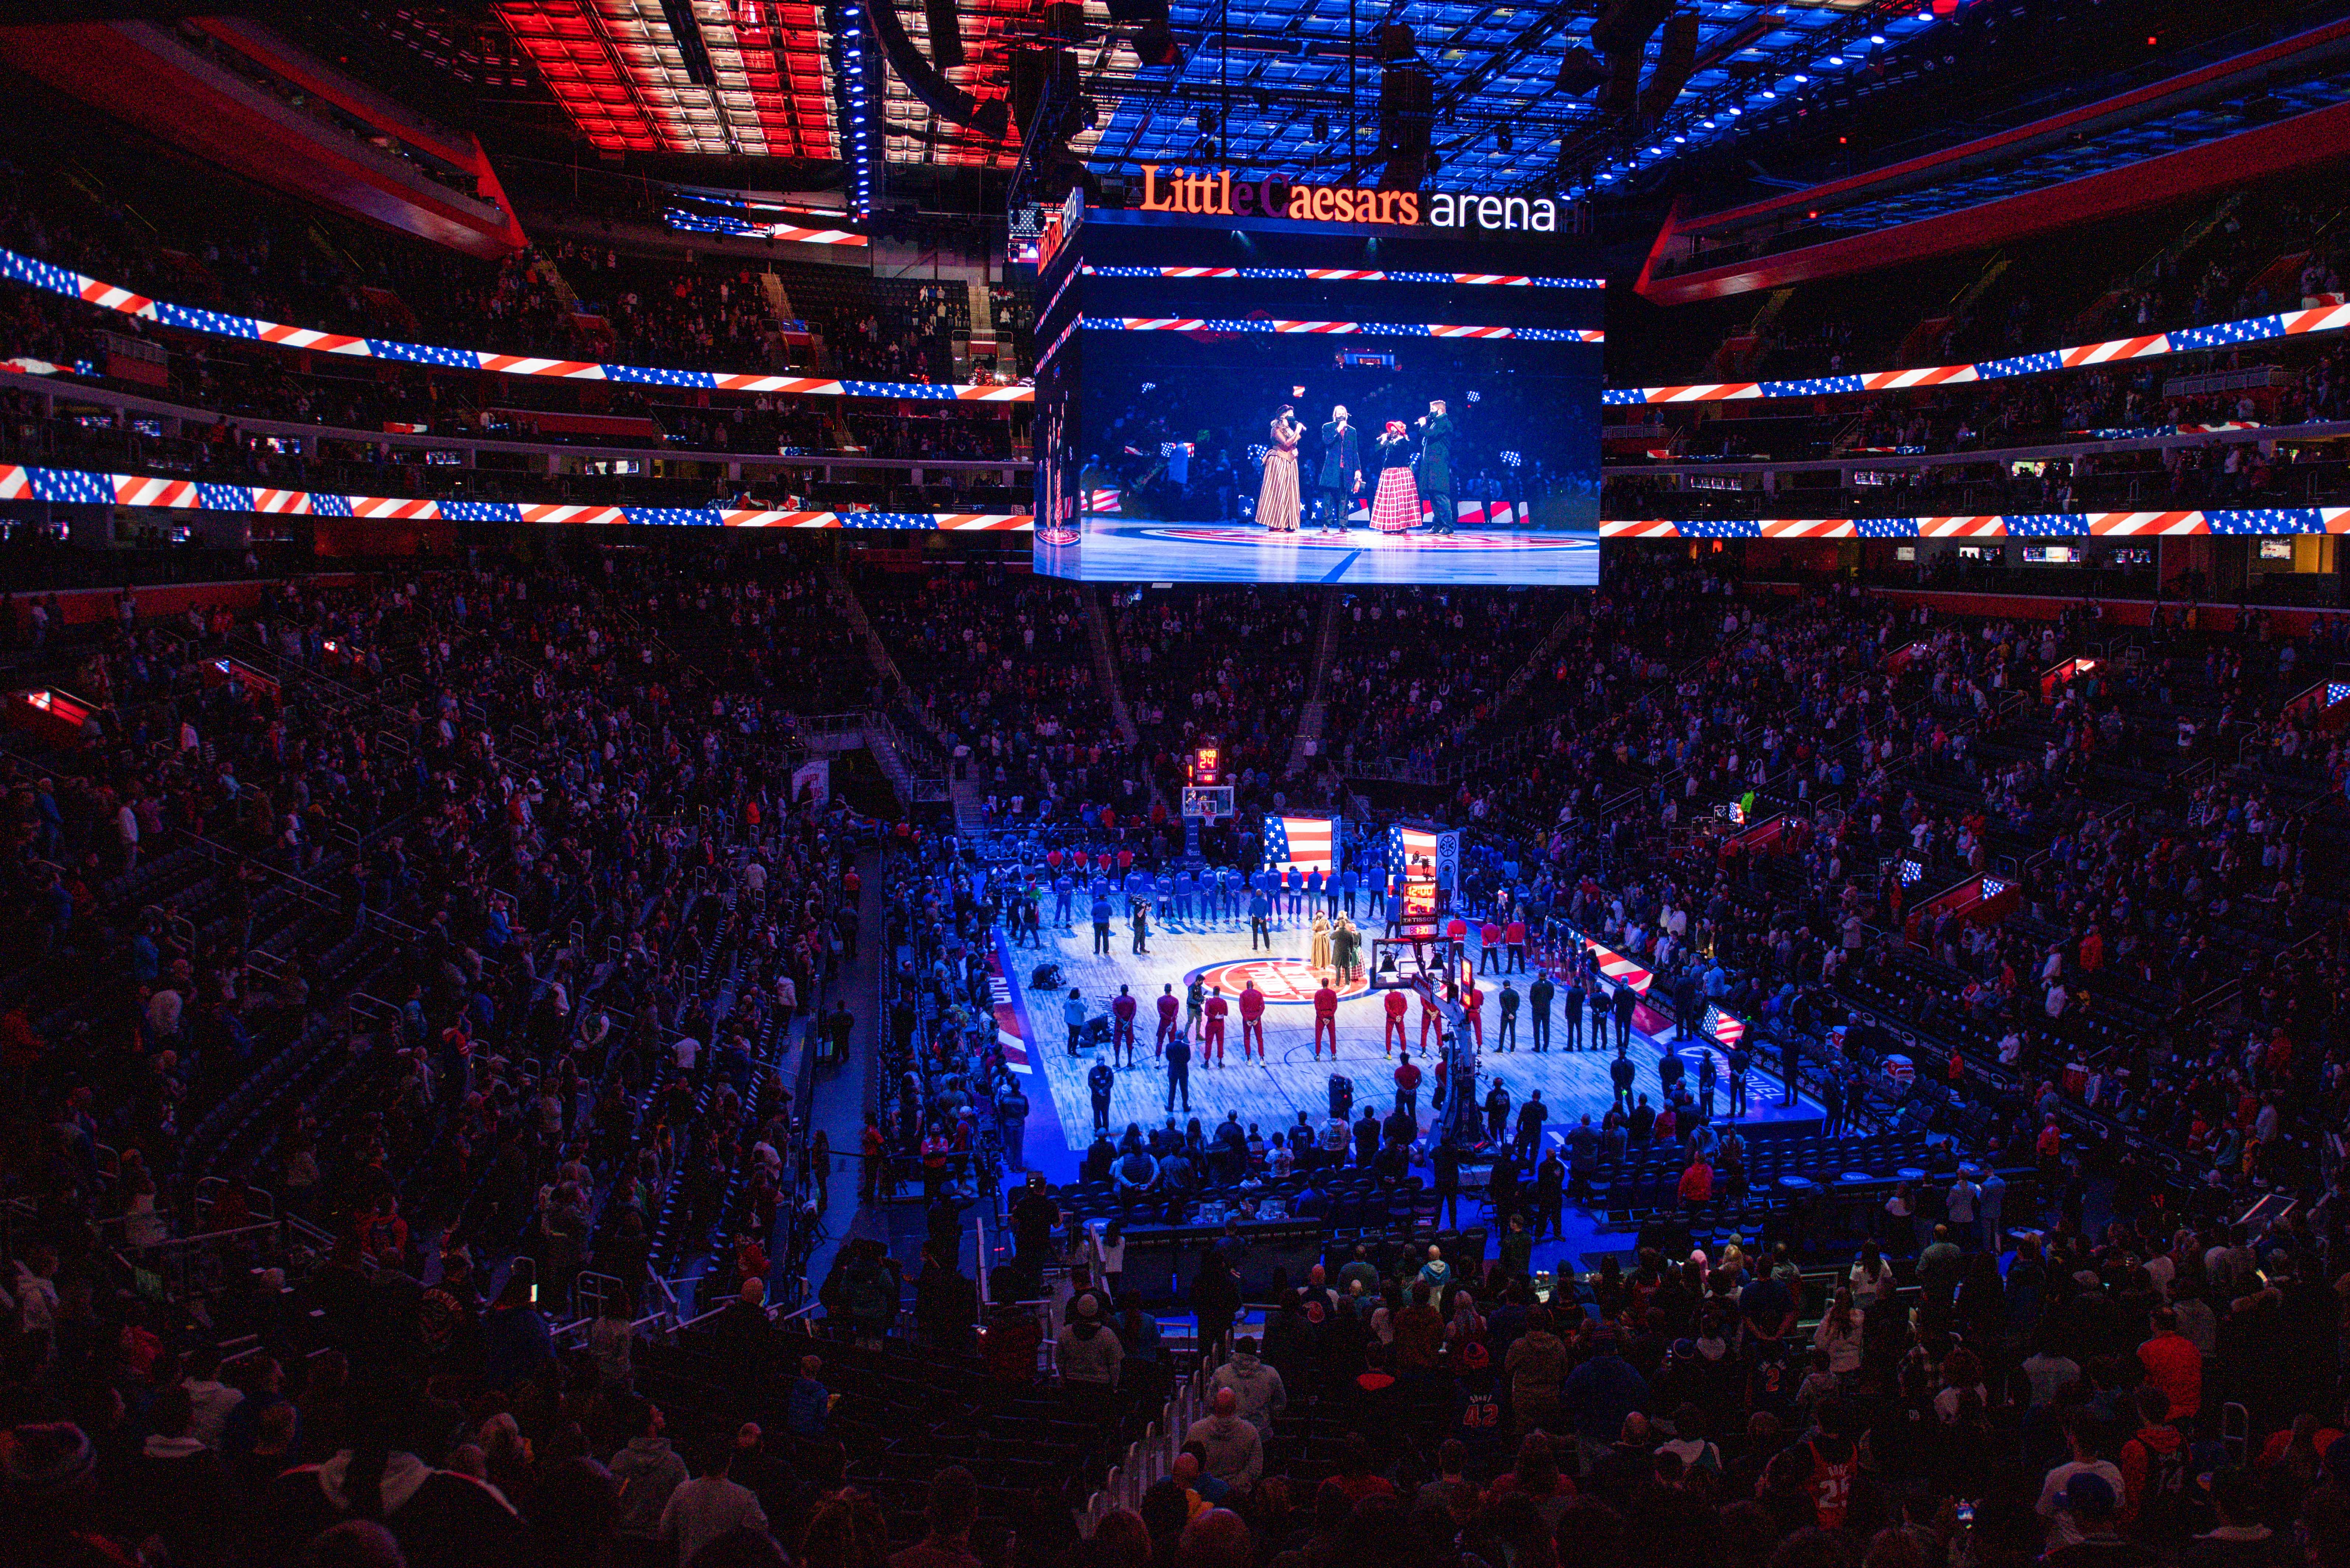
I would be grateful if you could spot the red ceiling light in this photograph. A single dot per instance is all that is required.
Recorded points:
(617, 67)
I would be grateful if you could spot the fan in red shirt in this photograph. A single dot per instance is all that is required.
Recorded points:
(1325, 1020)
(1394, 1038)
(1212, 1041)
(1251, 1019)
(1834, 1466)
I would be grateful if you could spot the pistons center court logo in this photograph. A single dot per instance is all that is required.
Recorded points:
(1282, 980)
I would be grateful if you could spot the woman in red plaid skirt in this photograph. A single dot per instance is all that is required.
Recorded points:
(1396, 508)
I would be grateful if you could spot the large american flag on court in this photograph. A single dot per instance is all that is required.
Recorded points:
(1304, 842)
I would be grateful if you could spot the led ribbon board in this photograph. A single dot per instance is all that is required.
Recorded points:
(2180, 340)
(41, 275)
(1340, 275)
(81, 487)
(36, 274)
(2032, 525)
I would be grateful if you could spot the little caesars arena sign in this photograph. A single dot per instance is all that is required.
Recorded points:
(1214, 192)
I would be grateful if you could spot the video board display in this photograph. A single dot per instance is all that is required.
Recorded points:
(1249, 420)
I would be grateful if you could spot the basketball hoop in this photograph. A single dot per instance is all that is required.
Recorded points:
(1206, 803)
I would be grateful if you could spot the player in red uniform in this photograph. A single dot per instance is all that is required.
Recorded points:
(1394, 1037)
(1429, 1019)
(1251, 1019)
(1121, 1010)
(1473, 1011)
(1169, 1015)
(1325, 1020)
(1211, 1042)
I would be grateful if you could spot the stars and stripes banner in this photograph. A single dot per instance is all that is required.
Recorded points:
(134, 489)
(2180, 340)
(2030, 526)
(743, 228)
(2148, 523)
(2145, 433)
(1341, 274)
(78, 487)
(1304, 841)
(1720, 1027)
(1261, 326)
(83, 487)
(1615, 966)
(36, 274)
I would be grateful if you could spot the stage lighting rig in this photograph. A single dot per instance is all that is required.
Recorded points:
(1407, 105)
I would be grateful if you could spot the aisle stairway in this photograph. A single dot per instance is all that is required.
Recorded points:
(1098, 632)
(852, 610)
(1106, 667)
(779, 303)
(881, 737)
(1311, 717)
(1542, 657)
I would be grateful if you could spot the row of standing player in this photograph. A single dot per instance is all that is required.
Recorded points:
(1203, 1010)
(1220, 892)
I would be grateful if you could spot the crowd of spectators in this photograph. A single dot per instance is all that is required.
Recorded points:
(546, 805)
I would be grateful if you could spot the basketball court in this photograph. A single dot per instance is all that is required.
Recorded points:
(1271, 1093)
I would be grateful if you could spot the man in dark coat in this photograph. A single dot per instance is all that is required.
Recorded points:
(1436, 469)
(1342, 465)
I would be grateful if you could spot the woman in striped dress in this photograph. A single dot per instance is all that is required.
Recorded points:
(1277, 501)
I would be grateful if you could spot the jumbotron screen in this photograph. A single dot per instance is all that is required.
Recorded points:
(1279, 415)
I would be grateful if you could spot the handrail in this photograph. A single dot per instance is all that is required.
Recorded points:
(704, 1317)
(325, 897)
(203, 1237)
